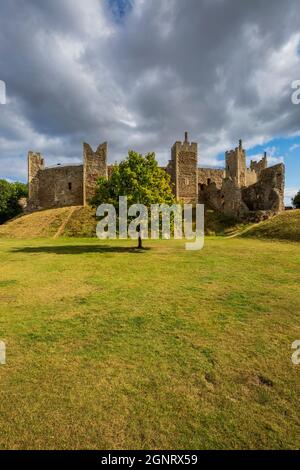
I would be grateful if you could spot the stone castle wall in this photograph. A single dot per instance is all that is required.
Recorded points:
(235, 190)
(258, 167)
(61, 186)
(65, 185)
(245, 191)
(251, 177)
(206, 176)
(268, 193)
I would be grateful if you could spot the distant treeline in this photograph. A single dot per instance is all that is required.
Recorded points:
(10, 194)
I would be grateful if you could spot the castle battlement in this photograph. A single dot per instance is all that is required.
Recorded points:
(235, 189)
(186, 146)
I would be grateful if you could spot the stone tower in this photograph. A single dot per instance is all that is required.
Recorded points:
(183, 170)
(236, 166)
(94, 166)
(35, 164)
(258, 167)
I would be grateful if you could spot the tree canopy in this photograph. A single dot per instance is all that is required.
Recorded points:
(140, 179)
(10, 194)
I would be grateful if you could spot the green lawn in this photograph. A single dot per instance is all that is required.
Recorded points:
(109, 348)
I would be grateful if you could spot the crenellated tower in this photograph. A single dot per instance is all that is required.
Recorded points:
(183, 170)
(36, 163)
(258, 167)
(94, 166)
(236, 167)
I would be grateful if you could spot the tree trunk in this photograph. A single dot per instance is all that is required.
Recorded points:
(140, 242)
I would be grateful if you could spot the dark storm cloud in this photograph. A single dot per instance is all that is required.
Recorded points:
(220, 68)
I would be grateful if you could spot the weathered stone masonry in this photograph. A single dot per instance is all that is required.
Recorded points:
(233, 190)
(65, 185)
(94, 166)
(183, 170)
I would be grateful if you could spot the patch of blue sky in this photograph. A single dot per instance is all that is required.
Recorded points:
(120, 8)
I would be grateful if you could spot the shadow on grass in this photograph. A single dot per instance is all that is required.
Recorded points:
(80, 249)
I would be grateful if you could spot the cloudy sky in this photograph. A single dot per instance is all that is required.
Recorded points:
(138, 73)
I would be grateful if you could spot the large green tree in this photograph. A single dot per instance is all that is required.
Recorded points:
(140, 179)
(10, 194)
(296, 200)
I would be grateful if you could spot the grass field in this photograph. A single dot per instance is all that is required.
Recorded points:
(111, 348)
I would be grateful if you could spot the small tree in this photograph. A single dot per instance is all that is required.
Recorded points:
(140, 179)
(10, 194)
(296, 201)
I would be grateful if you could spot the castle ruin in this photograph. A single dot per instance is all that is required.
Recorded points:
(234, 190)
(65, 185)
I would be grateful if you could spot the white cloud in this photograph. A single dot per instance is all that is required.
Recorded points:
(294, 147)
(289, 194)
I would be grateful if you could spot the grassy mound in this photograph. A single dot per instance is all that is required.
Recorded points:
(81, 222)
(221, 224)
(68, 221)
(285, 226)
